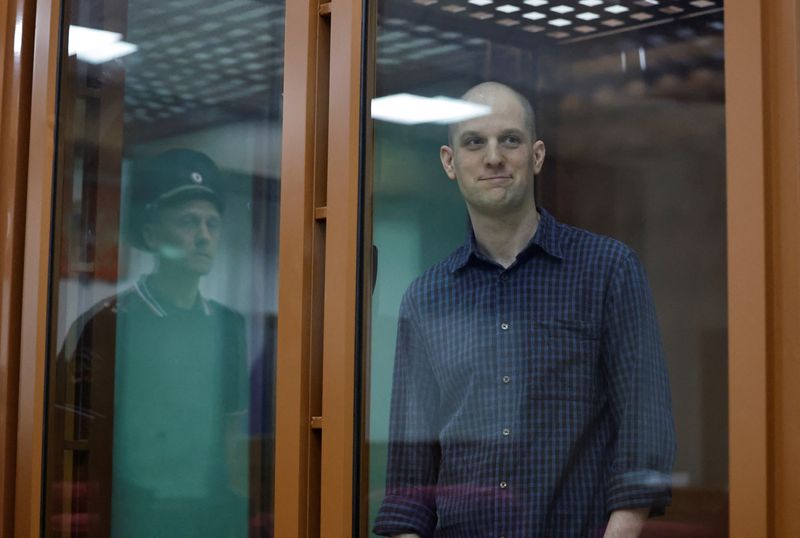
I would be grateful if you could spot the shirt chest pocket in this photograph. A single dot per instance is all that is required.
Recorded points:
(565, 360)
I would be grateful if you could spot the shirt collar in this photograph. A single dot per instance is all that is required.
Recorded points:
(160, 308)
(546, 238)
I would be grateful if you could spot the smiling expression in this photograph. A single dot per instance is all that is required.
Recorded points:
(494, 158)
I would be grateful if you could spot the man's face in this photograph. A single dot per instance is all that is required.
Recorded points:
(494, 158)
(185, 235)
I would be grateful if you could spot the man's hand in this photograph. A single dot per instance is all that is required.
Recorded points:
(626, 523)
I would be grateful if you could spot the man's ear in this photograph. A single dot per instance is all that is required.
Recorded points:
(538, 156)
(446, 156)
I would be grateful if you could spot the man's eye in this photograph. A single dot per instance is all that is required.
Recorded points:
(512, 140)
(473, 142)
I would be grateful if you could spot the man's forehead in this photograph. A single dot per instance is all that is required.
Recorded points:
(497, 120)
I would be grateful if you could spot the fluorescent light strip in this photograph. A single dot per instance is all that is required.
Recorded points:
(97, 46)
(562, 9)
(559, 22)
(481, 2)
(507, 8)
(535, 3)
(616, 9)
(409, 109)
(587, 16)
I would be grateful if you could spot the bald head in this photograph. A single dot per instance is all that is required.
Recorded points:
(488, 93)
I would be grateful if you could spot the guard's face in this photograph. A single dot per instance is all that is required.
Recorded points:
(494, 159)
(185, 235)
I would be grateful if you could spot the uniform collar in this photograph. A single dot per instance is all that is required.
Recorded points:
(546, 238)
(161, 308)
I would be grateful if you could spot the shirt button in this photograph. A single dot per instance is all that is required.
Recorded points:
(506, 379)
(506, 432)
(503, 277)
(503, 485)
(504, 326)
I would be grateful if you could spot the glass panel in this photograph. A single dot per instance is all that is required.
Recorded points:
(163, 306)
(525, 378)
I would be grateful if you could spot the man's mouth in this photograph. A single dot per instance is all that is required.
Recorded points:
(490, 178)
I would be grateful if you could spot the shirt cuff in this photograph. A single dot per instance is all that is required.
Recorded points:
(399, 515)
(640, 489)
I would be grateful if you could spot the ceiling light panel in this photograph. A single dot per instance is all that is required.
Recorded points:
(570, 16)
(535, 16)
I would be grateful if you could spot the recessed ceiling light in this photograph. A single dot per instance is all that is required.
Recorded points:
(584, 29)
(647, 3)
(559, 22)
(534, 15)
(558, 35)
(453, 8)
(671, 10)
(507, 22)
(588, 16)
(591, 3)
(616, 9)
(481, 2)
(562, 9)
(481, 15)
(641, 16)
(613, 23)
(702, 3)
(507, 8)
(425, 2)
(535, 3)
(532, 28)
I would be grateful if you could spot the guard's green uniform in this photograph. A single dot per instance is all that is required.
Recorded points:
(178, 444)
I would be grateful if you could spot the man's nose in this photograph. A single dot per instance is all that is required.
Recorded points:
(493, 155)
(204, 233)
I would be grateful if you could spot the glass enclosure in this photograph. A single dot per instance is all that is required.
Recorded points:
(628, 99)
(164, 285)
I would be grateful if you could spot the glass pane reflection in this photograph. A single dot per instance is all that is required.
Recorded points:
(629, 101)
(160, 398)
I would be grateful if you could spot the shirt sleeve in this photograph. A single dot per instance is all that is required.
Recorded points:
(639, 394)
(413, 461)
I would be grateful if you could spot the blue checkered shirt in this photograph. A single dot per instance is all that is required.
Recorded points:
(530, 401)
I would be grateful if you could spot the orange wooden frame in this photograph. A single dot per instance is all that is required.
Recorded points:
(318, 269)
(763, 251)
(16, 46)
(781, 56)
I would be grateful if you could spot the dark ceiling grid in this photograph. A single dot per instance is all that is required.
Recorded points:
(197, 55)
(564, 19)
(411, 32)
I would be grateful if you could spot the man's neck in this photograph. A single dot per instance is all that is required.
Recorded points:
(501, 239)
(179, 289)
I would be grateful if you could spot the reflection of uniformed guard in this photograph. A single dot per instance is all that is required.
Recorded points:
(152, 395)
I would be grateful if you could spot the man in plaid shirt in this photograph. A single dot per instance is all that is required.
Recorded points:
(530, 395)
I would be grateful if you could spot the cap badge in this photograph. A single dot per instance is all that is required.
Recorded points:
(197, 178)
